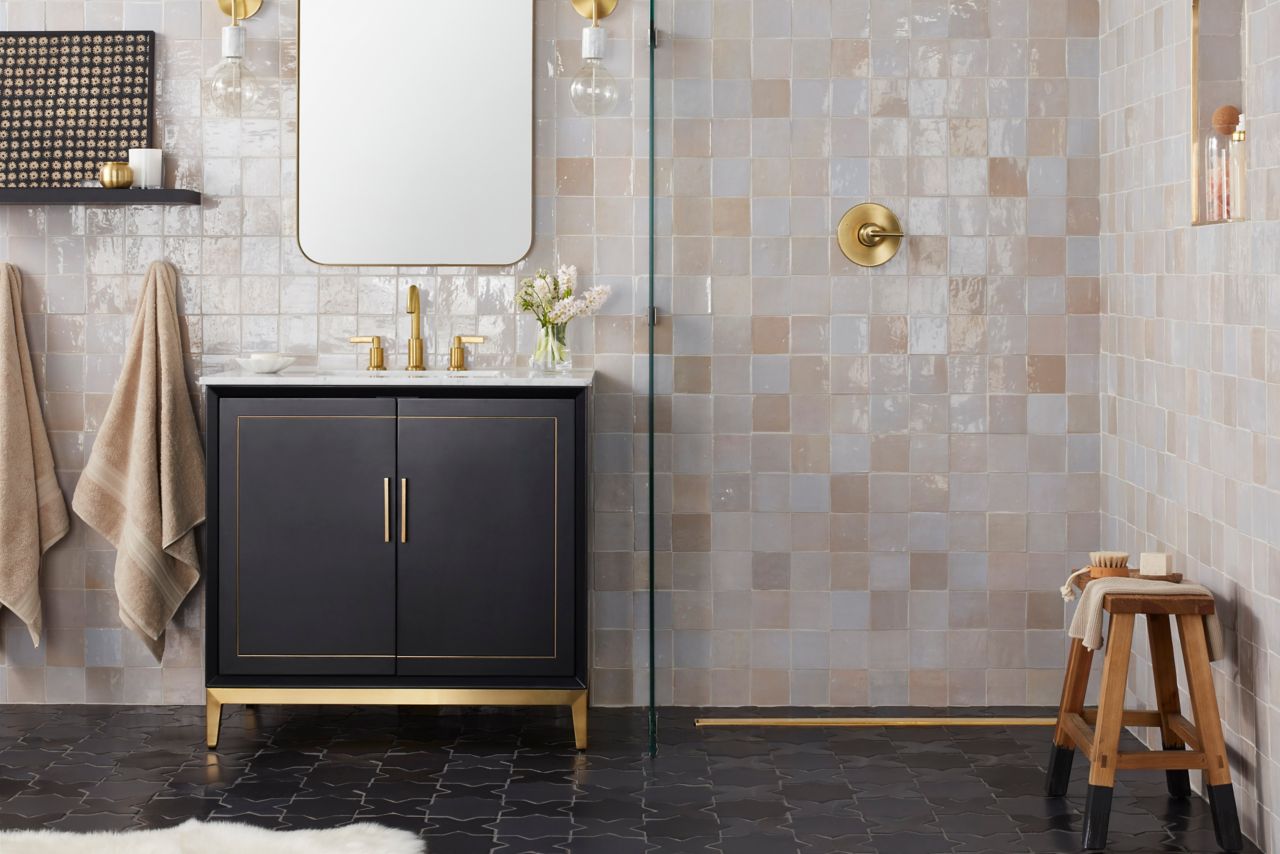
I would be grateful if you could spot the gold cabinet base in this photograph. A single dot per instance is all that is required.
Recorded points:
(575, 698)
(593, 8)
(243, 9)
(869, 235)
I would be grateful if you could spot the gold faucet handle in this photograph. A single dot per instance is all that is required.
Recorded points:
(377, 355)
(458, 353)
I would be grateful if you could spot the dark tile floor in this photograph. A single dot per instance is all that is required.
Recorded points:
(510, 781)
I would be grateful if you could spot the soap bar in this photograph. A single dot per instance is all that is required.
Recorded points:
(1154, 563)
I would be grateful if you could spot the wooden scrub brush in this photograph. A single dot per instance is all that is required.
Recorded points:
(1108, 564)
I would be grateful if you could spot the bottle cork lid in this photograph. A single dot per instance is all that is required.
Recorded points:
(1225, 119)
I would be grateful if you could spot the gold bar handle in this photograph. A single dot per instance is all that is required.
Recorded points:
(404, 509)
(386, 509)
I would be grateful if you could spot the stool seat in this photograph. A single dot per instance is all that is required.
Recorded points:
(1095, 732)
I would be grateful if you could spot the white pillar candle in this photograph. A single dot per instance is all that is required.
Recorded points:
(148, 167)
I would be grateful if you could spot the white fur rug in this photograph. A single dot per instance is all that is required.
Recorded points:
(216, 837)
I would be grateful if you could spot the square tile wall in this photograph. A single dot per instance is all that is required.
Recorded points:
(874, 481)
(1191, 362)
(246, 287)
(870, 483)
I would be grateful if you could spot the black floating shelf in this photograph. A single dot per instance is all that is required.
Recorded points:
(95, 196)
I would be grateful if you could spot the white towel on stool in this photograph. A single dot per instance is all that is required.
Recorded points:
(33, 513)
(1086, 625)
(143, 487)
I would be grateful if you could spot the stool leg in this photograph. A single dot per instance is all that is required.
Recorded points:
(1204, 703)
(1166, 679)
(1063, 751)
(1106, 735)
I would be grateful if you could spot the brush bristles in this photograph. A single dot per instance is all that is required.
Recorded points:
(1110, 560)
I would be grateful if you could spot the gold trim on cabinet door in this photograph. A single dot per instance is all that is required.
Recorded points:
(555, 534)
(242, 418)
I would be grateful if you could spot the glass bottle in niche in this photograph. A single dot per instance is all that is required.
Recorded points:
(1224, 168)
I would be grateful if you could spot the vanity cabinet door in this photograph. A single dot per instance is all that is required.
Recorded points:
(486, 560)
(306, 553)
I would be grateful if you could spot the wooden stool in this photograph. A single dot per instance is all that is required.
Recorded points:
(1096, 732)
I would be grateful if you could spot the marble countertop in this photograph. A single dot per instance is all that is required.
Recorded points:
(476, 377)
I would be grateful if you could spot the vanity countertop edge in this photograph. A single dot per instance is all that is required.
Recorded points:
(434, 379)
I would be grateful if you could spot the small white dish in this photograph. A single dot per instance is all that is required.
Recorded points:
(265, 363)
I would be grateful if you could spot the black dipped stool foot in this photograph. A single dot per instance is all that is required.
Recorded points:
(1059, 775)
(1226, 821)
(1097, 815)
(1179, 782)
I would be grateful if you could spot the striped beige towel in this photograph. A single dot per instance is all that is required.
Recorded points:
(1086, 625)
(33, 513)
(143, 488)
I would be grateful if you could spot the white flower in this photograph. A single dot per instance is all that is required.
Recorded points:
(568, 277)
(594, 298)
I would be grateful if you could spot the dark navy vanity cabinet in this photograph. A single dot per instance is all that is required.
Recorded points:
(396, 544)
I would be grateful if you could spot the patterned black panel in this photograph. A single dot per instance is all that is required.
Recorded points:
(70, 102)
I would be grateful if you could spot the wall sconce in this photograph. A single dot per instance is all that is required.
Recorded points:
(593, 90)
(232, 87)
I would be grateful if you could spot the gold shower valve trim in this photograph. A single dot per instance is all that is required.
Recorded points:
(870, 234)
(591, 9)
(243, 8)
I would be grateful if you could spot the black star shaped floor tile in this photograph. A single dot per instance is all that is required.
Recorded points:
(510, 781)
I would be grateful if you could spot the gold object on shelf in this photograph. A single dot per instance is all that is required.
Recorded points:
(458, 353)
(386, 509)
(115, 175)
(415, 330)
(870, 234)
(575, 698)
(243, 8)
(595, 9)
(377, 355)
(875, 722)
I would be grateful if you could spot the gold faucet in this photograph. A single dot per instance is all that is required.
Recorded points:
(377, 360)
(415, 330)
(458, 353)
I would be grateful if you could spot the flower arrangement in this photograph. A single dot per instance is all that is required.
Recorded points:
(552, 300)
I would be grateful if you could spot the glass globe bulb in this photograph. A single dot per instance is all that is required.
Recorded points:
(232, 88)
(593, 91)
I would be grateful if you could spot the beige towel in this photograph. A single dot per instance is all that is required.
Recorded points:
(33, 513)
(143, 488)
(1087, 622)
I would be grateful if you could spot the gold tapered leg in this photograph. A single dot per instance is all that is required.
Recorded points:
(580, 721)
(212, 718)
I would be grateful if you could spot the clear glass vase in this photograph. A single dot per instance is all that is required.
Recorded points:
(552, 353)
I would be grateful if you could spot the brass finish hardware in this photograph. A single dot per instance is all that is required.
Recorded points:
(875, 722)
(415, 330)
(377, 355)
(458, 353)
(243, 8)
(115, 175)
(870, 234)
(386, 509)
(404, 509)
(575, 698)
(595, 9)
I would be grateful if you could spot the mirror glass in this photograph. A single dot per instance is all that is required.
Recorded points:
(415, 132)
(1218, 155)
